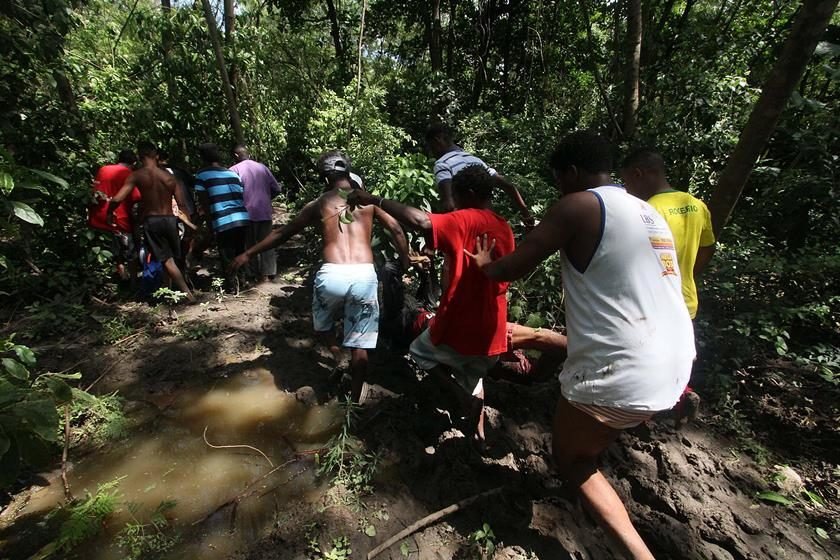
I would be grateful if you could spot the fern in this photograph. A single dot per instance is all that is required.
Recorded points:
(85, 517)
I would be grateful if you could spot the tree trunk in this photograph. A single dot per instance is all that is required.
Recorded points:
(788, 70)
(435, 51)
(235, 123)
(335, 31)
(230, 20)
(166, 4)
(450, 40)
(634, 53)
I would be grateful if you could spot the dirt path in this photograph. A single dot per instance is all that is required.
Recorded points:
(690, 494)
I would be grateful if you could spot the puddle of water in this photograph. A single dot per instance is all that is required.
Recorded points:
(167, 459)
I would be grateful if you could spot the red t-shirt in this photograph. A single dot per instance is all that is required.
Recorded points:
(472, 314)
(109, 180)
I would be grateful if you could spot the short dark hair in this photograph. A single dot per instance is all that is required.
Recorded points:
(163, 154)
(146, 149)
(474, 178)
(644, 158)
(127, 157)
(440, 130)
(209, 153)
(585, 150)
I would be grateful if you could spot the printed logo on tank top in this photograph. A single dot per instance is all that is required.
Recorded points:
(660, 241)
(667, 260)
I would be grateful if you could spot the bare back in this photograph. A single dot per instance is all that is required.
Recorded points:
(157, 187)
(344, 243)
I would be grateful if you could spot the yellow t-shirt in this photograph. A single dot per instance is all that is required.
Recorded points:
(691, 226)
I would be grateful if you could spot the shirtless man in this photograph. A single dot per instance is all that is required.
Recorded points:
(346, 280)
(630, 339)
(160, 225)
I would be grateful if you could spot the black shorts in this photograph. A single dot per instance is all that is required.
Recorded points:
(162, 237)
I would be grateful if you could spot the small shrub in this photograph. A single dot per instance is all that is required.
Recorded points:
(147, 540)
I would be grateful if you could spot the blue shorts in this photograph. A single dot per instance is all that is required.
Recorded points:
(353, 289)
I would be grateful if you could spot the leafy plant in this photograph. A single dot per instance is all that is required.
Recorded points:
(115, 328)
(197, 330)
(147, 540)
(346, 460)
(340, 549)
(482, 542)
(85, 517)
(29, 416)
(96, 419)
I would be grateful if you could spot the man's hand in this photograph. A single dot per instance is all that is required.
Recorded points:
(483, 251)
(358, 197)
(110, 220)
(529, 222)
(239, 262)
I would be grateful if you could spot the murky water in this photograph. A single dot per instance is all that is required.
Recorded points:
(168, 459)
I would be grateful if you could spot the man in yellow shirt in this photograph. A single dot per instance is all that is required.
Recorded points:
(643, 174)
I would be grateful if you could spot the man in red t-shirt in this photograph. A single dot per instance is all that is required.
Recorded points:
(109, 180)
(468, 333)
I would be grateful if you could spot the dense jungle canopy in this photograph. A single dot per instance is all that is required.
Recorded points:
(82, 79)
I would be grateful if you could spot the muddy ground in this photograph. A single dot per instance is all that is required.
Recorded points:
(691, 492)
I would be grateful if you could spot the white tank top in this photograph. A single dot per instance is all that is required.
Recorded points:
(631, 340)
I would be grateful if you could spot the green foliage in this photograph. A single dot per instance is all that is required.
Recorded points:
(84, 518)
(197, 330)
(29, 410)
(96, 420)
(347, 461)
(115, 328)
(482, 543)
(147, 540)
(339, 550)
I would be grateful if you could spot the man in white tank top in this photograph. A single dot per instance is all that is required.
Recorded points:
(630, 339)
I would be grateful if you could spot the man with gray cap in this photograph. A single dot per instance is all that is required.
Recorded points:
(346, 284)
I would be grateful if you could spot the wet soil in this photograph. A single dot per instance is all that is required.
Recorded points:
(258, 378)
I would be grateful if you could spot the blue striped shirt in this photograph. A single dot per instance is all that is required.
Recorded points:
(227, 203)
(451, 163)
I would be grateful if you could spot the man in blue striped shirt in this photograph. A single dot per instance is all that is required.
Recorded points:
(451, 159)
(220, 195)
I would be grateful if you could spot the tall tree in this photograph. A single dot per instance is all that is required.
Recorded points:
(230, 20)
(807, 28)
(435, 47)
(335, 31)
(634, 53)
(235, 122)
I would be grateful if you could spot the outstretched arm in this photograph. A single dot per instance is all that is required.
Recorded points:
(308, 216)
(397, 235)
(410, 217)
(516, 197)
(121, 195)
(554, 232)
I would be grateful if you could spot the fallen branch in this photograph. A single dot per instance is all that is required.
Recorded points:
(430, 519)
(67, 494)
(241, 446)
(104, 373)
(246, 493)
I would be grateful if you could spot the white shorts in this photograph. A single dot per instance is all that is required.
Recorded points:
(468, 370)
(352, 289)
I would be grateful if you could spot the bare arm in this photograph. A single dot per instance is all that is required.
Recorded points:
(704, 255)
(397, 235)
(445, 191)
(554, 232)
(121, 195)
(308, 216)
(410, 217)
(516, 197)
